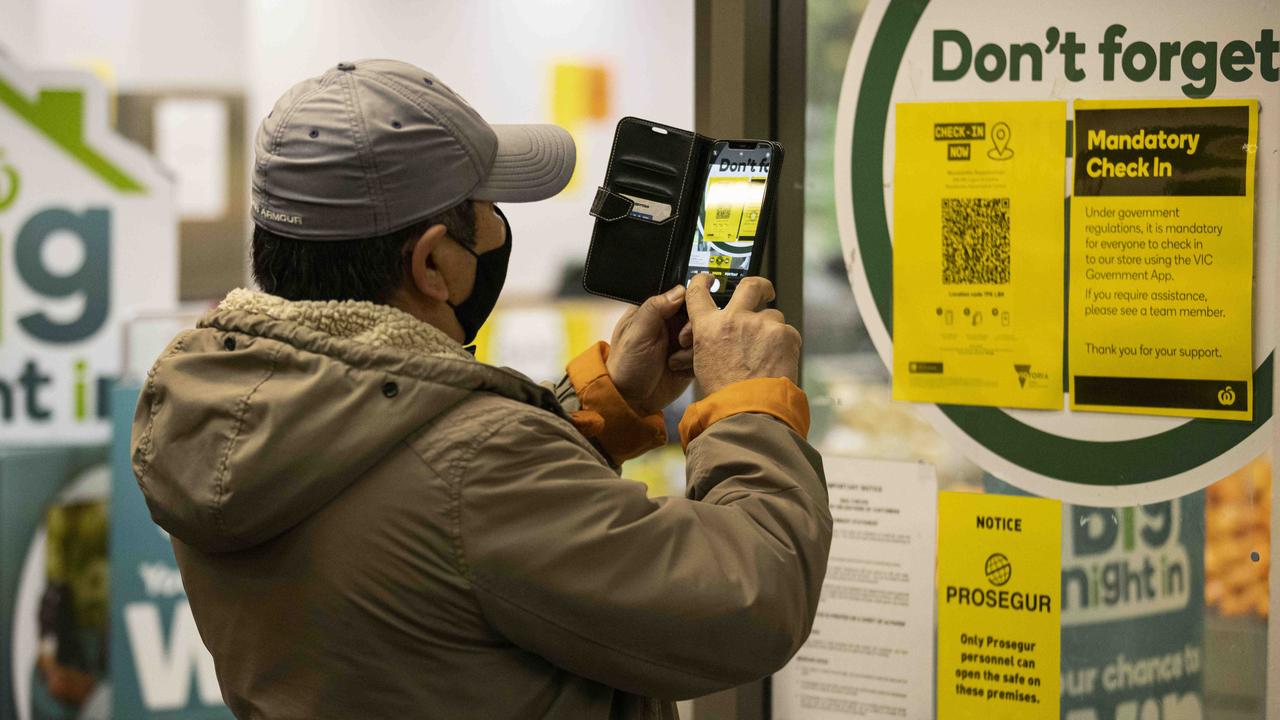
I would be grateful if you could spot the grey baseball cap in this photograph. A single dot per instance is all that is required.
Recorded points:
(373, 146)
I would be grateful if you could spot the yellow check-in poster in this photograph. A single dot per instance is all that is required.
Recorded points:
(733, 207)
(978, 253)
(999, 607)
(1161, 295)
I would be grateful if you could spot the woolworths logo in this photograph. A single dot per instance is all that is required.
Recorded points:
(1122, 563)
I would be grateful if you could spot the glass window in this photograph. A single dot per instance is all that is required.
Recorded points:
(1213, 615)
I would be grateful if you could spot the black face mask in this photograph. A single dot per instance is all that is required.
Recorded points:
(491, 274)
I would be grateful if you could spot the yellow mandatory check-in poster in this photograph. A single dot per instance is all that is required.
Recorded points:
(1161, 299)
(733, 207)
(977, 254)
(999, 609)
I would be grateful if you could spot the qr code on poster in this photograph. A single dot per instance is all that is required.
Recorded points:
(975, 240)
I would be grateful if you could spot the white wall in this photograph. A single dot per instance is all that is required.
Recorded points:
(17, 28)
(148, 44)
(498, 55)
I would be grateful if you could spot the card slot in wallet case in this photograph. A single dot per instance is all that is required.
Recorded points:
(645, 188)
(649, 164)
(635, 254)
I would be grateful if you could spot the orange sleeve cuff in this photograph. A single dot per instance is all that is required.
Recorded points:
(605, 416)
(778, 397)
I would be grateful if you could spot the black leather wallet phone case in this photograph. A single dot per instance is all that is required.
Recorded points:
(632, 258)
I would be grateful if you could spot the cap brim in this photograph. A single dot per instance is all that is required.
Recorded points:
(533, 162)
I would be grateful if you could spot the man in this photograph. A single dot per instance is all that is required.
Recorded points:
(371, 524)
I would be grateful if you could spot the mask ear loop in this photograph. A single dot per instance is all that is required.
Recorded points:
(506, 239)
(475, 255)
(408, 257)
(471, 349)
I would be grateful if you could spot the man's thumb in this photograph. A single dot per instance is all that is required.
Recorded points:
(664, 306)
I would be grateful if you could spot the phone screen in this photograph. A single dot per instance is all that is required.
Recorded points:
(729, 221)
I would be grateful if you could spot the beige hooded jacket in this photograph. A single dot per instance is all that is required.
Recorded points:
(371, 524)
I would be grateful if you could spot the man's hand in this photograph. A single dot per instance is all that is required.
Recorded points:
(744, 340)
(648, 372)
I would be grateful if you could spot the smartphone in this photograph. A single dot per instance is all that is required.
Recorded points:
(737, 206)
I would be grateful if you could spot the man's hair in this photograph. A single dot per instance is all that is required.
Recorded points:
(369, 269)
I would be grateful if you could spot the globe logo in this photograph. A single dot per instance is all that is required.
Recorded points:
(998, 569)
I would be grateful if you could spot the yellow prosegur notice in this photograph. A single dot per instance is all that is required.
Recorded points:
(999, 591)
(1161, 299)
(977, 266)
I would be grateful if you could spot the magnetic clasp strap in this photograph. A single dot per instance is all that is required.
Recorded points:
(609, 205)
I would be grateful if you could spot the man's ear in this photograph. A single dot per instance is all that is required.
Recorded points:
(424, 265)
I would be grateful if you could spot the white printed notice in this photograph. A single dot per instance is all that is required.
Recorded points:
(870, 654)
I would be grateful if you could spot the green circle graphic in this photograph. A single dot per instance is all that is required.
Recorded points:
(1112, 463)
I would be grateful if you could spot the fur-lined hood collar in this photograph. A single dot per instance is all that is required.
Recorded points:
(380, 326)
(269, 408)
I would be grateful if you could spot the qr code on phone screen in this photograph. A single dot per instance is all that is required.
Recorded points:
(975, 240)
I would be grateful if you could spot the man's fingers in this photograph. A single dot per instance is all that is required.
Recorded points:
(751, 294)
(680, 361)
(772, 315)
(698, 297)
(686, 335)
